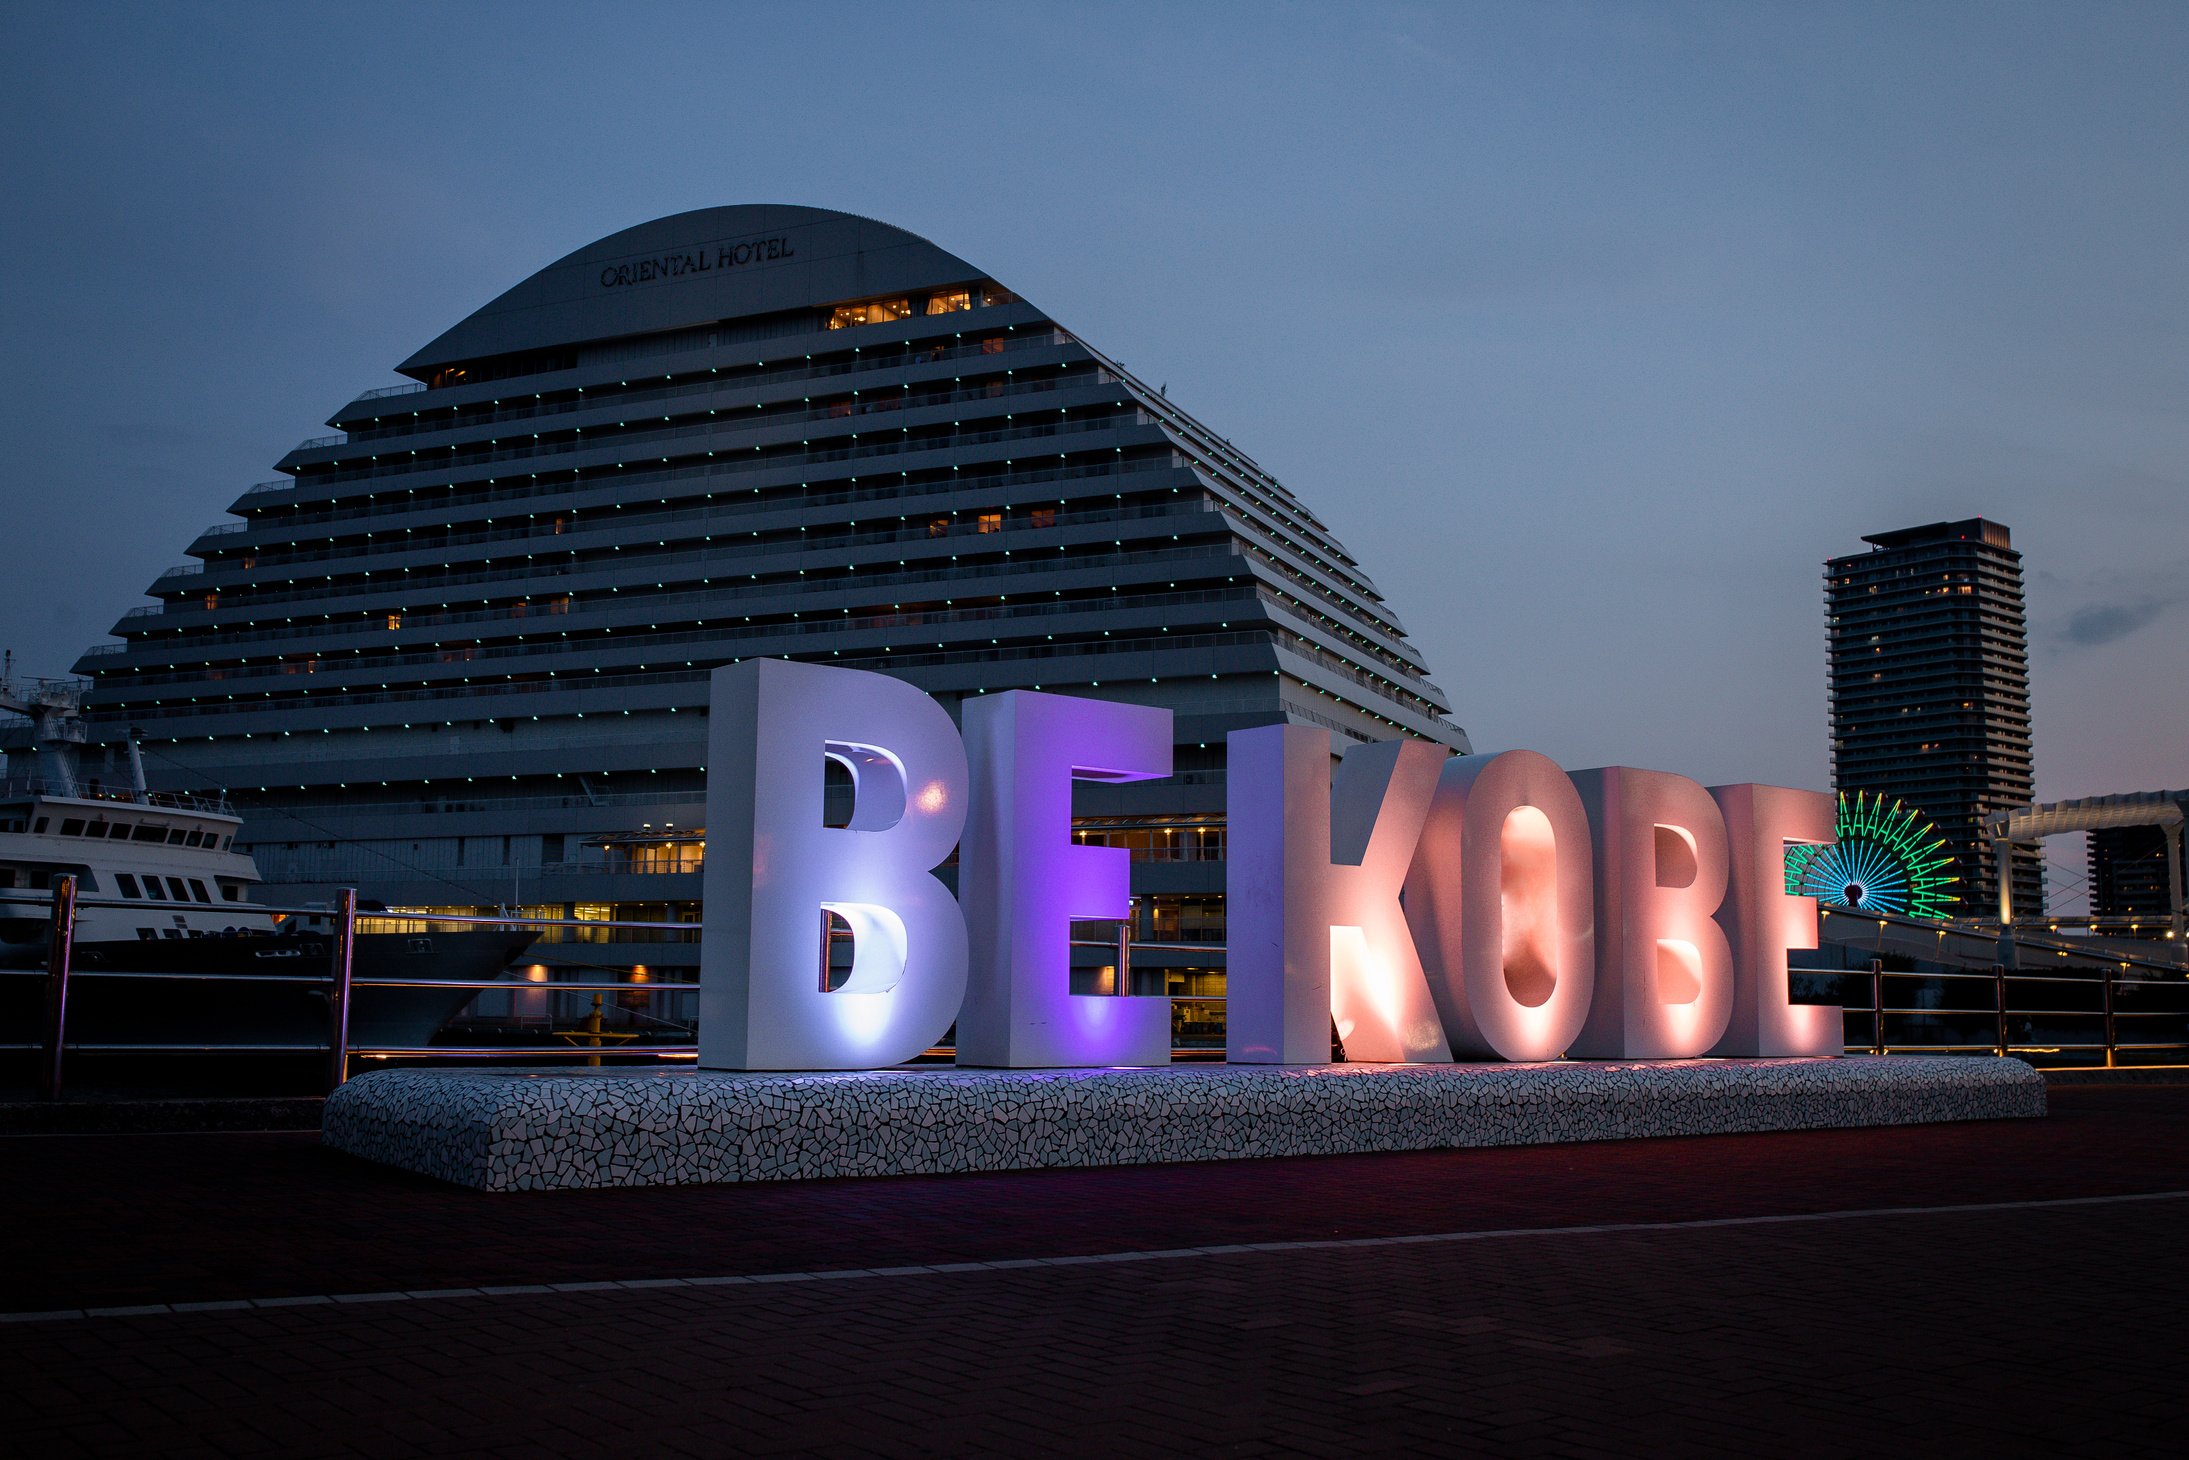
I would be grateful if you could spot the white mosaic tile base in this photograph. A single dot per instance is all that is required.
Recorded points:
(532, 1130)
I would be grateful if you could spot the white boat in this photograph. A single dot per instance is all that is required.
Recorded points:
(162, 889)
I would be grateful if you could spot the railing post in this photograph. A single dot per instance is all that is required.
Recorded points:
(1123, 983)
(1999, 999)
(1877, 1006)
(338, 992)
(59, 951)
(2109, 1036)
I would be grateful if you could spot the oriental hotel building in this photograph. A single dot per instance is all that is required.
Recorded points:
(456, 653)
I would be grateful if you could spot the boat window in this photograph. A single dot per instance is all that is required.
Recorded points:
(73, 826)
(40, 827)
(182, 893)
(170, 932)
(231, 891)
(145, 935)
(174, 836)
(192, 839)
(145, 834)
(197, 890)
(127, 883)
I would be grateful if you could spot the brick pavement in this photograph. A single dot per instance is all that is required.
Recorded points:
(1958, 1331)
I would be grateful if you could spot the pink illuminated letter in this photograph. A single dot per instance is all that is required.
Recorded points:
(1502, 907)
(1312, 894)
(1664, 974)
(773, 868)
(1022, 881)
(1761, 922)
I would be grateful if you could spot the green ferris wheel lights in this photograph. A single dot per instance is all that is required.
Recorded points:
(1887, 859)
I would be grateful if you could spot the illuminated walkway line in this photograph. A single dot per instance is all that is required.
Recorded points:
(1237, 1249)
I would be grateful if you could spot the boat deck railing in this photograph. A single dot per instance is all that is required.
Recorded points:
(15, 787)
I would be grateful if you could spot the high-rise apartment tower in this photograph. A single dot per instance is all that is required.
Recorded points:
(1930, 689)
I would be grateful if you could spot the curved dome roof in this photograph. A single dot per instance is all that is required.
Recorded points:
(695, 268)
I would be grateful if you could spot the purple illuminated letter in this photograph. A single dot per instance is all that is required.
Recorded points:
(1022, 881)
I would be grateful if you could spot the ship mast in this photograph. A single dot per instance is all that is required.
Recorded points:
(55, 709)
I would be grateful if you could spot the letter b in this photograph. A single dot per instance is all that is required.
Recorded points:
(774, 868)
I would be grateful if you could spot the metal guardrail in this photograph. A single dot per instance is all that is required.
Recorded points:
(60, 974)
(341, 984)
(2003, 1012)
(338, 980)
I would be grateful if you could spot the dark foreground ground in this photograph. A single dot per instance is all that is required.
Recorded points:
(1966, 1289)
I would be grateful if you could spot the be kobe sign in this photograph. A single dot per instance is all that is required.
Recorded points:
(1435, 906)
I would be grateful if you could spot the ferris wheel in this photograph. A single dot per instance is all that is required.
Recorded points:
(1887, 859)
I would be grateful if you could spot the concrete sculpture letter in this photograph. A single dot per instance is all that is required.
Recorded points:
(1502, 907)
(1022, 881)
(774, 869)
(1664, 973)
(1312, 893)
(1761, 922)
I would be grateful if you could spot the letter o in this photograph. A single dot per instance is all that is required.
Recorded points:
(608, 277)
(1500, 898)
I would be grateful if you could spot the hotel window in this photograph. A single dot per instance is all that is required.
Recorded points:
(1041, 517)
(992, 294)
(592, 912)
(991, 522)
(872, 311)
(395, 619)
(938, 527)
(951, 302)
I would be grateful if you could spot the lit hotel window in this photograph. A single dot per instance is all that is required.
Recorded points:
(950, 303)
(991, 522)
(873, 311)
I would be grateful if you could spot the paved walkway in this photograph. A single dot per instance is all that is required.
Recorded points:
(1771, 1294)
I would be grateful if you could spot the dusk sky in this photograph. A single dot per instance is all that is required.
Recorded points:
(1592, 330)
